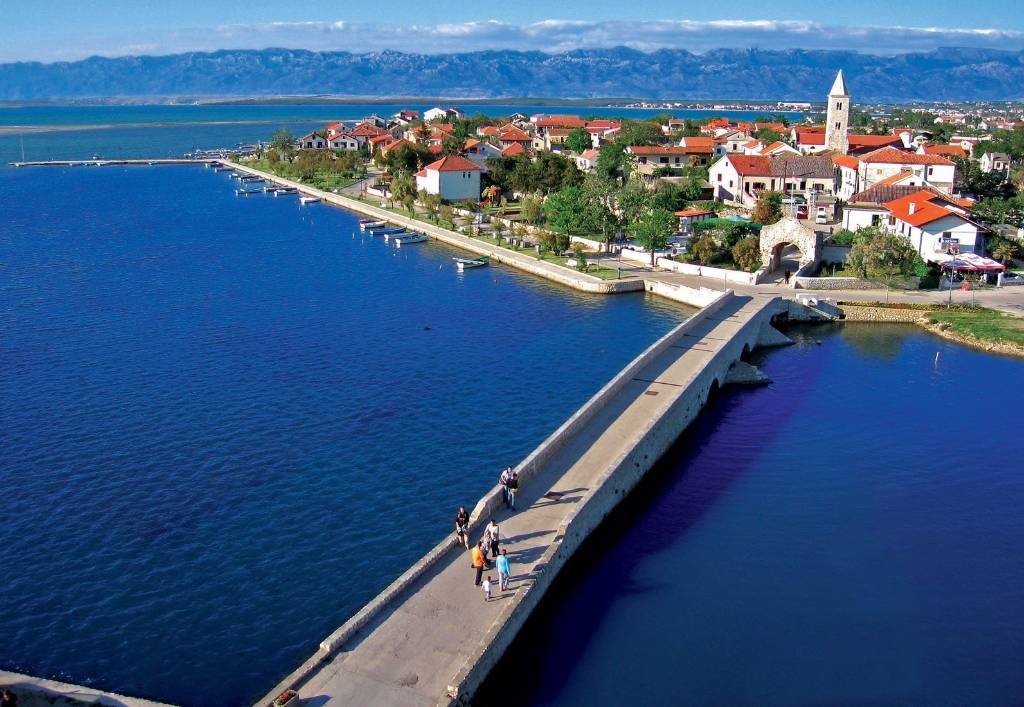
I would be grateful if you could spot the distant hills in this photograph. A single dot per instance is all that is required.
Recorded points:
(745, 74)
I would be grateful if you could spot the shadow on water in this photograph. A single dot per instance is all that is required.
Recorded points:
(677, 492)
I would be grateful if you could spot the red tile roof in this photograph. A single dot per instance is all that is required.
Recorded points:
(918, 208)
(750, 165)
(453, 163)
(894, 179)
(561, 121)
(693, 212)
(890, 155)
(366, 130)
(698, 141)
(872, 140)
(846, 161)
(516, 148)
(948, 150)
(669, 149)
(590, 154)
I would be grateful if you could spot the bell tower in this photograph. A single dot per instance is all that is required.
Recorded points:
(838, 116)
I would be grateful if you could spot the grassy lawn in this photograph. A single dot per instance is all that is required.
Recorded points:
(321, 180)
(978, 322)
(983, 324)
(601, 271)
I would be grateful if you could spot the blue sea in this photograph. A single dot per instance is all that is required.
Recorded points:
(228, 422)
(82, 131)
(849, 535)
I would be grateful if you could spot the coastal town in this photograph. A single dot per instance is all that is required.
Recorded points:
(410, 364)
(904, 198)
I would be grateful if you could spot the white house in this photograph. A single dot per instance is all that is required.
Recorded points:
(740, 179)
(478, 152)
(312, 141)
(341, 141)
(441, 114)
(995, 162)
(587, 160)
(454, 178)
(932, 227)
(885, 162)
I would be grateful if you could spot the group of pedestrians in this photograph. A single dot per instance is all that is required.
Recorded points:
(490, 543)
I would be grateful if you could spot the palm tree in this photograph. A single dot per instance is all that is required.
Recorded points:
(1004, 252)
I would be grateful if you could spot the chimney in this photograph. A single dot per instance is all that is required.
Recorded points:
(913, 207)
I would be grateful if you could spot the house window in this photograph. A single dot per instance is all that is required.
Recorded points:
(839, 106)
(663, 160)
(719, 177)
(838, 125)
(730, 184)
(876, 220)
(930, 171)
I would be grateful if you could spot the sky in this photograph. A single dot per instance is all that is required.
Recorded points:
(66, 30)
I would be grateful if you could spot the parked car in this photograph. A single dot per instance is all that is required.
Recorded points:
(633, 245)
(821, 216)
(1013, 278)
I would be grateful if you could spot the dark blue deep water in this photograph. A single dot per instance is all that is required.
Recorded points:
(226, 423)
(849, 535)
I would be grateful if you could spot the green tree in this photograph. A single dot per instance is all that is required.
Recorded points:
(531, 209)
(638, 132)
(768, 136)
(601, 192)
(578, 140)
(768, 209)
(747, 253)
(611, 159)
(652, 230)
(704, 249)
(633, 202)
(880, 255)
(283, 143)
(572, 210)
(1005, 251)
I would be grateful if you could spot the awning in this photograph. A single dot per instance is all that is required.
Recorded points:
(970, 262)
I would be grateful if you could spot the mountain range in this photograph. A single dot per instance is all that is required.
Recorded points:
(743, 74)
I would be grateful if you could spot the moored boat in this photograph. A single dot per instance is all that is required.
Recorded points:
(402, 239)
(309, 199)
(386, 230)
(365, 224)
(468, 263)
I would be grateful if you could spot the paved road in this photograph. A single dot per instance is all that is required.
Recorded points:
(1007, 299)
(410, 655)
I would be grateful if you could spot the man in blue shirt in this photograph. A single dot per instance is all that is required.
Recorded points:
(504, 569)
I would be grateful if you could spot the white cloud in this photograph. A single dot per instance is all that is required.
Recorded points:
(551, 35)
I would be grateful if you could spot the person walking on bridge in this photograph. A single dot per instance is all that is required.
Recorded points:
(478, 561)
(504, 570)
(511, 486)
(491, 539)
(462, 527)
(503, 478)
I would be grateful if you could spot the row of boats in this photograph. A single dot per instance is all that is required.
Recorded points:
(253, 184)
(399, 235)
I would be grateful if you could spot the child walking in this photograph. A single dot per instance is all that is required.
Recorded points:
(487, 588)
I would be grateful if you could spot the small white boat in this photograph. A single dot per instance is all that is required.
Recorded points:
(363, 225)
(464, 264)
(309, 199)
(401, 240)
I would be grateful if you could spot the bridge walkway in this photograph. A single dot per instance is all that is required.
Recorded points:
(410, 653)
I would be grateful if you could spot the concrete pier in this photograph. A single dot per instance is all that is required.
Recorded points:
(103, 163)
(430, 638)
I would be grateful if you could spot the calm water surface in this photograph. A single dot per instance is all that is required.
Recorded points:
(228, 422)
(850, 535)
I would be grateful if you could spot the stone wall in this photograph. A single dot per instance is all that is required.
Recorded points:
(857, 313)
(847, 283)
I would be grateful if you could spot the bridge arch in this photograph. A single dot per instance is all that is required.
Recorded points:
(788, 231)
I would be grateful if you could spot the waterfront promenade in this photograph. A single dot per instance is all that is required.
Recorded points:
(430, 638)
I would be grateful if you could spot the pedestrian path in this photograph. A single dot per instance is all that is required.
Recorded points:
(414, 649)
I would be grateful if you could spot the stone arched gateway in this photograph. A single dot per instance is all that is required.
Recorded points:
(788, 231)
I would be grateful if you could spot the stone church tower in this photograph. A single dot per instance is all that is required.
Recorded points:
(838, 116)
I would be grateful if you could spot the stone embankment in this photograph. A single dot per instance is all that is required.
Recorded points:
(555, 273)
(40, 692)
